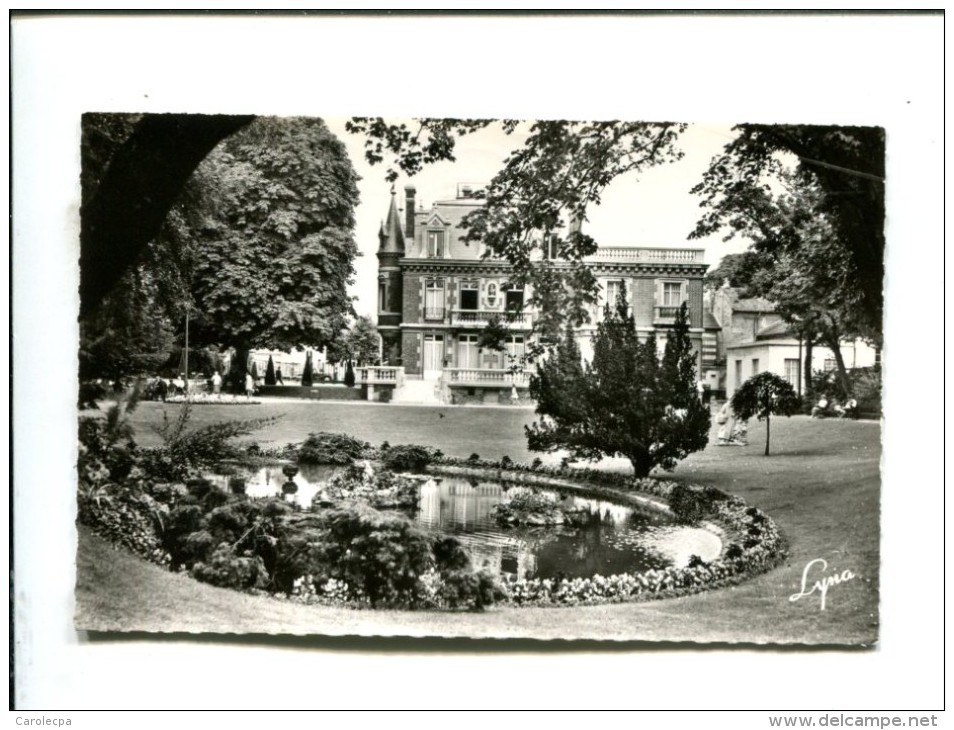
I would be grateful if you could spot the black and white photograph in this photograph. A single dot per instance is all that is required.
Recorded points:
(413, 362)
(507, 403)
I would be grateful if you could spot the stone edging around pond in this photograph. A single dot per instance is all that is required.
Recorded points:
(758, 548)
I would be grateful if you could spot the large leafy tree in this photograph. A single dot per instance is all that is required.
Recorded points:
(800, 262)
(832, 183)
(626, 402)
(272, 264)
(259, 246)
(362, 342)
(763, 396)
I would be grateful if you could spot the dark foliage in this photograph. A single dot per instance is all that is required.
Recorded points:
(626, 401)
(331, 448)
(411, 458)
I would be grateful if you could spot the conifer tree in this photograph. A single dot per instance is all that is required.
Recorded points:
(626, 402)
(270, 372)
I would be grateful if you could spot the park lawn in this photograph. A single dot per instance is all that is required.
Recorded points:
(821, 485)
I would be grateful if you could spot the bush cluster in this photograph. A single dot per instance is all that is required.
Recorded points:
(409, 458)
(332, 448)
(526, 507)
(381, 489)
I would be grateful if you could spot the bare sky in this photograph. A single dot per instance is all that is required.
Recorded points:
(653, 209)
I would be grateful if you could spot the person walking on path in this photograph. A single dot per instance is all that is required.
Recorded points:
(216, 383)
(249, 385)
(722, 418)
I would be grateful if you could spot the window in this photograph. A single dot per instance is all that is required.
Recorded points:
(738, 373)
(514, 299)
(551, 248)
(435, 244)
(671, 294)
(755, 366)
(516, 346)
(613, 289)
(383, 296)
(467, 351)
(830, 364)
(791, 371)
(434, 299)
(468, 295)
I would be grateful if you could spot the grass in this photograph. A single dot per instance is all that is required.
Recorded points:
(821, 485)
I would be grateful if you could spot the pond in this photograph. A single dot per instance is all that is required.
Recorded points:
(610, 538)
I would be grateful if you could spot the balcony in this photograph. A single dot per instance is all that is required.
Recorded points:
(665, 314)
(480, 318)
(434, 314)
(487, 378)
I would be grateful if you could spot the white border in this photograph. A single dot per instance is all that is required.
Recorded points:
(830, 69)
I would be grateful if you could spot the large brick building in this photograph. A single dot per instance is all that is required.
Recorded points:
(436, 293)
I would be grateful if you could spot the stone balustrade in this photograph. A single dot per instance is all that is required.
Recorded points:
(379, 375)
(486, 377)
(650, 255)
(480, 318)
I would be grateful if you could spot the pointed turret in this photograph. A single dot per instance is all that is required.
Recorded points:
(390, 284)
(391, 235)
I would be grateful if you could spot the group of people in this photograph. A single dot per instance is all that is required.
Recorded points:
(826, 408)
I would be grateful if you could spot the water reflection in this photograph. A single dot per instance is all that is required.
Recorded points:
(605, 538)
(267, 482)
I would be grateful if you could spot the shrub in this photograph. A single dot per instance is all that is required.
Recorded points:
(124, 517)
(349, 375)
(185, 453)
(688, 505)
(228, 570)
(381, 554)
(411, 458)
(381, 489)
(470, 590)
(331, 448)
(527, 507)
(449, 555)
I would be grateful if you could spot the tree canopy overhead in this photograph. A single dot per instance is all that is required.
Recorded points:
(833, 198)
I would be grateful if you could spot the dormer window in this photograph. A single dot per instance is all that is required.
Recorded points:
(435, 244)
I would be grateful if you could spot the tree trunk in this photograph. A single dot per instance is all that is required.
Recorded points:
(832, 339)
(768, 430)
(642, 464)
(238, 369)
(807, 380)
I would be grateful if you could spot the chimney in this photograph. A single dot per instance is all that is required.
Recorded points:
(409, 210)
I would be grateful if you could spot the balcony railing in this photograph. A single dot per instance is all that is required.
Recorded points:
(665, 314)
(480, 318)
(434, 313)
(380, 375)
(486, 377)
(650, 255)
